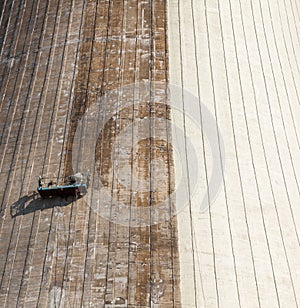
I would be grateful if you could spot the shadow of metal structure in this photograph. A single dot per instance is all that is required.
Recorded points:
(33, 202)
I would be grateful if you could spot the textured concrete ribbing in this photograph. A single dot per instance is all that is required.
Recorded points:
(241, 58)
(58, 58)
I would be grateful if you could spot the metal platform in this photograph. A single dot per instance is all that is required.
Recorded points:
(77, 190)
(74, 185)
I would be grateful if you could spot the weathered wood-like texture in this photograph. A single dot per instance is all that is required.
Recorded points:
(242, 59)
(57, 58)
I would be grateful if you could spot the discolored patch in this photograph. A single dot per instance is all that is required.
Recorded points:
(126, 45)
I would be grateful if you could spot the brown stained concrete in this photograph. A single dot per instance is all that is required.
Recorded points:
(57, 59)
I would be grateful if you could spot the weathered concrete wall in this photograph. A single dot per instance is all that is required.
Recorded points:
(58, 59)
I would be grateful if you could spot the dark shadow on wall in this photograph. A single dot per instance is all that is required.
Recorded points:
(33, 202)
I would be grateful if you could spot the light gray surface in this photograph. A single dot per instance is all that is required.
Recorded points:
(242, 59)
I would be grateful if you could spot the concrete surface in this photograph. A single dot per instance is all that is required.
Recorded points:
(241, 58)
(235, 144)
(57, 60)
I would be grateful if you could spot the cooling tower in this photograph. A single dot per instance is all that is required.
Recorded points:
(180, 119)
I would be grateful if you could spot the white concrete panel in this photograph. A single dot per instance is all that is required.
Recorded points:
(241, 59)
